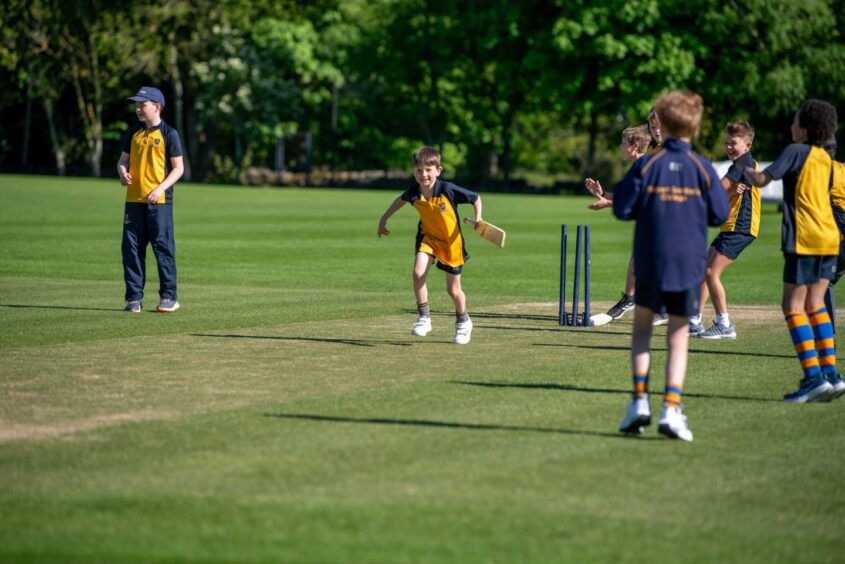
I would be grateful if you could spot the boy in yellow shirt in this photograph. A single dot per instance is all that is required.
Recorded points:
(439, 238)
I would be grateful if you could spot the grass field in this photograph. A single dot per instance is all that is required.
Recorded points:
(285, 414)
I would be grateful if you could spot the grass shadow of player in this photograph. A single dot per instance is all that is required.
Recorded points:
(626, 392)
(351, 342)
(485, 315)
(71, 308)
(662, 349)
(446, 425)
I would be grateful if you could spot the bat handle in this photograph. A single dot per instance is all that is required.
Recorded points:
(468, 221)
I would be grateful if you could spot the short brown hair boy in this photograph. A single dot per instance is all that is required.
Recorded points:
(680, 113)
(637, 136)
(427, 156)
(741, 129)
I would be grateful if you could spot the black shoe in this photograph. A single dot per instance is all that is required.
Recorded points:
(622, 307)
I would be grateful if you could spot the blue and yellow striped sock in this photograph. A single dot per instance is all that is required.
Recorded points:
(640, 385)
(825, 346)
(672, 396)
(805, 345)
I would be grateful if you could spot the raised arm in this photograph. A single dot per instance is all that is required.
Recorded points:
(382, 222)
(757, 178)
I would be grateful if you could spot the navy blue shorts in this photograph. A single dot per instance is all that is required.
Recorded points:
(456, 270)
(731, 244)
(808, 269)
(684, 303)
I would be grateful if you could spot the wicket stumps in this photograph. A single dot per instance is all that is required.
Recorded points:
(574, 319)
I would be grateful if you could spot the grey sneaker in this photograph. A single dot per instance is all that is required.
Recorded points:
(719, 331)
(133, 307)
(167, 306)
(622, 307)
(660, 319)
(695, 329)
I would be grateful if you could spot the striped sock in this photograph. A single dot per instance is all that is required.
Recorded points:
(823, 333)
(805, 345)
(672, 397)
(424, 310)
(640, 386)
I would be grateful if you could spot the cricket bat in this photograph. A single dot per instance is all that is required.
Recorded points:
(488, 231)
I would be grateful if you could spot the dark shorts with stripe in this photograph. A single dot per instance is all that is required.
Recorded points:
(684, 303)
(456, 270)
(731, 244)
(808, 269)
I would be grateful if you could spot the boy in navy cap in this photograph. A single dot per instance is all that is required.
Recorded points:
(673, 194)
(150, 164)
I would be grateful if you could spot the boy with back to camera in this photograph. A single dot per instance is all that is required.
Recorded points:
(439, 238)
(150, 164)
(736, 234)
(810, 245)
(673, 194)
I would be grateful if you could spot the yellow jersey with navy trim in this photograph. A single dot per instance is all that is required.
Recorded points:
(808, 226)
(439, 230)
(150, 150)
(744, 216)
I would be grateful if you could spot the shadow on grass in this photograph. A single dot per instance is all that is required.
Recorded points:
(353, 342)
(449, 425)
(627, 392)
(482, 315)
(662, 349)
(556, 329)
(62, 307)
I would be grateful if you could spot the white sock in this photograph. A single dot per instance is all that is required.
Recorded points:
(695, 319)
(723, 320)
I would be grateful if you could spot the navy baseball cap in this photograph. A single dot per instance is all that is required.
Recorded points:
(150, 93)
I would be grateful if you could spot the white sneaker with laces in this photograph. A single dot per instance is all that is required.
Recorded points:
(637, 416)
(421, 327)
(463, 330)
(673, 424)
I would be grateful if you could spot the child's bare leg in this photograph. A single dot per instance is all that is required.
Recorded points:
(453, 288)
(677, 340)
(630, 279)
(640, 340)
(422, 263)
(713, 275)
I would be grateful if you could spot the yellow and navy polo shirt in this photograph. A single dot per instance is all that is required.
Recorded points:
(808, 226)
(439, 230)
(150, 150)
(744, 216)
(837, 194)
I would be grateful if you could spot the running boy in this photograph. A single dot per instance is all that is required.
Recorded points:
(438, 237)
(810, 245)
(737, 233)
(673, 194)
(150, 164)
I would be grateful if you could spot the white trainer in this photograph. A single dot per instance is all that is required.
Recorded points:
(421, 327)
(673, 424)
(637, 416)
(463, 332)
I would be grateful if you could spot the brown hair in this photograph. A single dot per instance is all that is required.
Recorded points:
(679, 113)
(741, 129)
(427, 156)
(637, 136)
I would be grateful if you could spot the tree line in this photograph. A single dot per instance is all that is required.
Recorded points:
(505, 89)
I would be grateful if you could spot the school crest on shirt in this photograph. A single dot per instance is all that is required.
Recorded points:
(442, 206)
(156, 141)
